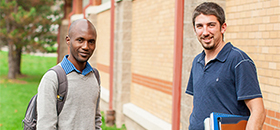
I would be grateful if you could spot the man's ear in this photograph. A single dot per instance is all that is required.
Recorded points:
(67, 38)
(223, 28)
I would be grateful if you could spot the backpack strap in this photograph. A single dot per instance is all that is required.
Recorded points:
(62, 87)
(96, 73)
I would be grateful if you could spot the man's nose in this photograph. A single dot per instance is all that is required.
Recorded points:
(85, 45)
(205, 31)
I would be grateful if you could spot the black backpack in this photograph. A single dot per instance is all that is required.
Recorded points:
(30, 119)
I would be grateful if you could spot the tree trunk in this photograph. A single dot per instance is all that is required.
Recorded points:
(18, 60)
(11, 61)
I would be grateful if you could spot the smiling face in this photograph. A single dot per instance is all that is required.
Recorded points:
(209, 32)
(81, 41)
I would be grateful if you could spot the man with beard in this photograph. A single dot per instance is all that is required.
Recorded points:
(223, 78)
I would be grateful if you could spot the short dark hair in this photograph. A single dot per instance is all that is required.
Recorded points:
(209, 8)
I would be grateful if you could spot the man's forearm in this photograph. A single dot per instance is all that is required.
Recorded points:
(257, 116)
(256, 121)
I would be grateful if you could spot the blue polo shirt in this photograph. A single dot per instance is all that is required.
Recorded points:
(69, 67)
(222, 85)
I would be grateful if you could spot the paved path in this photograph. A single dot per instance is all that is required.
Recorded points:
(36, 54)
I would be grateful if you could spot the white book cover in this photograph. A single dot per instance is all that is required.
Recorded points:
(207, 123)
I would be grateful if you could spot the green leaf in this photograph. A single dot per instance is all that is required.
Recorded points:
(14, 32)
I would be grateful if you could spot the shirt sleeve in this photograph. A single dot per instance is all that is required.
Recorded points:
(189, 89)
(246, 80)
(46, 102)
(98, 116)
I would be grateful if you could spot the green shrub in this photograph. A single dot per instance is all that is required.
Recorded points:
(51, 49)
(105, 127)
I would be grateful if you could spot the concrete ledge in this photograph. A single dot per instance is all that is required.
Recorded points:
(144, 118)
(99, 8)
(76, 16)
(104, 95)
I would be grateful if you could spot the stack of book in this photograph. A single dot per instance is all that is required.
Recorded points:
(221, 121)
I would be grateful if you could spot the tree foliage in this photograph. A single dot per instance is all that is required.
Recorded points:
(27, 25)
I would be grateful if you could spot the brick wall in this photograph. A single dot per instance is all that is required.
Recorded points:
(103, 46)
(254, 26)
(152, 56)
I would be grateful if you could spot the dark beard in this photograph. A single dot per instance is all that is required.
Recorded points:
(207, 47)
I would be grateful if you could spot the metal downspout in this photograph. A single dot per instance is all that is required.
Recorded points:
(177, 64)
(110, 114)
(111, 69)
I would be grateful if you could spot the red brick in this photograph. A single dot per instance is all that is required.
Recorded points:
(278, 115)
(264, 127)
(274, 122)
(271, 113)
(267, 120)
(269, 128)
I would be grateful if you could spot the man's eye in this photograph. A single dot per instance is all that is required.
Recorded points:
(198, 26)
(91, 42)
(80, 40)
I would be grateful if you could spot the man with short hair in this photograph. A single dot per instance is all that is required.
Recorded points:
(223, 78)
(79, 111)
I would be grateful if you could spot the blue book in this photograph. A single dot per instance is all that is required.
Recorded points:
(221, 121)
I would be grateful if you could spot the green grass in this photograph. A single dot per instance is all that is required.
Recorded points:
(16, 94)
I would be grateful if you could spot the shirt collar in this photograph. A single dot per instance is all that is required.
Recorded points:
(222, 55)
(69, 67)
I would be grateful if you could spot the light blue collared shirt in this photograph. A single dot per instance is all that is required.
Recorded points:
(69, 67)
